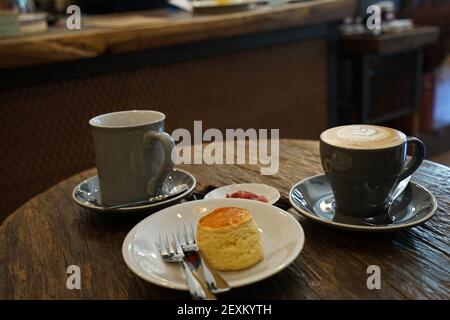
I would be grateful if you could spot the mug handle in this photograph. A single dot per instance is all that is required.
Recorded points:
(154, 186)
(416, 161)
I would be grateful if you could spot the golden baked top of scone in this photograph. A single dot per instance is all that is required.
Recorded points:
(226, 216)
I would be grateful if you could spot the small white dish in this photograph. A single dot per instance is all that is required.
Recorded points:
(272, 195)
(282, 238)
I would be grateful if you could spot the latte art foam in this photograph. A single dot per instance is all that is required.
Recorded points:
(363, 137)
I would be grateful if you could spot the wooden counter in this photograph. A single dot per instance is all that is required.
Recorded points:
(154, 29)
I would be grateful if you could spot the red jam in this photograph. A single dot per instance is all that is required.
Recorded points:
(247, 195)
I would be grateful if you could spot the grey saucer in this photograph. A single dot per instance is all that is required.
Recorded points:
(87, 194)
(313, 198)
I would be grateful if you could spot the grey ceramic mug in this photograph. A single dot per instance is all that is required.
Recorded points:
(363, 180)
(133, 155)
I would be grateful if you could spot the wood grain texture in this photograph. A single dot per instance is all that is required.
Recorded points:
(391, 42)
(164, 29)
(50, 232)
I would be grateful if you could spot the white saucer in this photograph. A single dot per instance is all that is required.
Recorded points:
(272, 195)
(282, 238)
(87, 194)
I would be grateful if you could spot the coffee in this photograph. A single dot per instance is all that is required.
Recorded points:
(364, 163)
(363, 137)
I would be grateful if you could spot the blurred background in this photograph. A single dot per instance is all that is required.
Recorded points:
(300, 66)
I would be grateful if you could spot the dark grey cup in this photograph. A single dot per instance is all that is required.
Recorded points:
(363, 180)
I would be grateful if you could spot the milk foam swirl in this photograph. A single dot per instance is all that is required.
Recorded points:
(363, 137)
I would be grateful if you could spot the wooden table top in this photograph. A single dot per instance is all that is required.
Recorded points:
(158, 28)
(50, 232)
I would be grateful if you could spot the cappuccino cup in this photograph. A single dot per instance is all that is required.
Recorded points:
(364, 164)
(133, 155)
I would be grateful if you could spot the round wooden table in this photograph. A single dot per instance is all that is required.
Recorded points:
(50, 232)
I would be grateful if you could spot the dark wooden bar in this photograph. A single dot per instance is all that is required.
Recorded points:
(397, 59)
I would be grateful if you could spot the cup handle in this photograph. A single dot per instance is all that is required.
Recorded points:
(416, 161)
(154, 186)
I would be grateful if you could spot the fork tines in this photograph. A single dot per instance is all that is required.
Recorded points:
(166, 247)
(179, 250)
(186, 234)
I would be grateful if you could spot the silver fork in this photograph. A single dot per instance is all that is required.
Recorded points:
(170, 253)
(202, 269)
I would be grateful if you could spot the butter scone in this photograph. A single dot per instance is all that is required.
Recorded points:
(230, 239)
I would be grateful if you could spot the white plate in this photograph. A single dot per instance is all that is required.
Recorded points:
(271, 194)
(282, 238)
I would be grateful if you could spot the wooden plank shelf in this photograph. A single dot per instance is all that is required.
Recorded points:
(390, 42)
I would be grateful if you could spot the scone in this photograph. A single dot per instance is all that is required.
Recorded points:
(230, 239)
